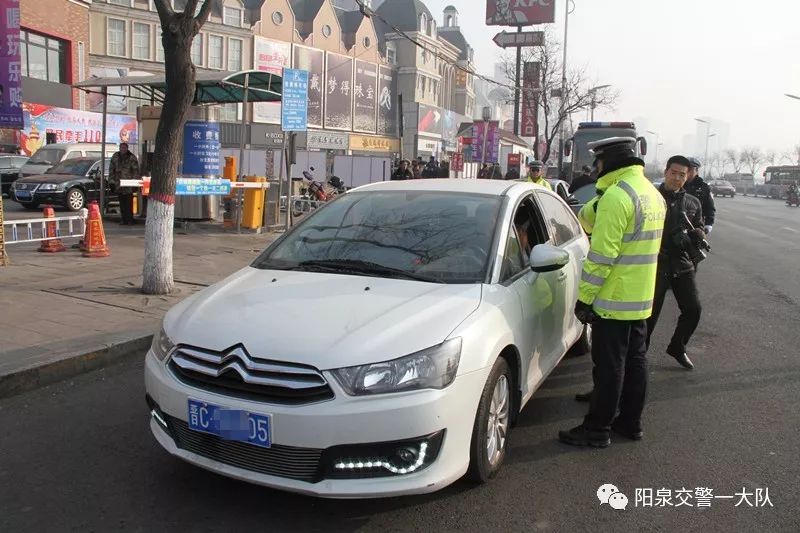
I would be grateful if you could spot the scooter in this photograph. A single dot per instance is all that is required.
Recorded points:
(793, 199)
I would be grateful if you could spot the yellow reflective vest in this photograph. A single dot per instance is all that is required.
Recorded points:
(619, 275)
(540, 181)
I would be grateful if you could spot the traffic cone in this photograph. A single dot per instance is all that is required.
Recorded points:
(95, 238)
(53, 244)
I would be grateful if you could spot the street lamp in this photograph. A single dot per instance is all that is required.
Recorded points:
(708, 135)
(593, 92)
(657, 145)
(793, 96)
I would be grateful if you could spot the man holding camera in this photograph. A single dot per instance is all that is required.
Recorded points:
(683, 246)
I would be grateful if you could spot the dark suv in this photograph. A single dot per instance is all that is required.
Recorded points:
(71, 184)
(9, 170)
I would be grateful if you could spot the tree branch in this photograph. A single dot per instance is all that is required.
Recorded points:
(202, 17)
(164, 9)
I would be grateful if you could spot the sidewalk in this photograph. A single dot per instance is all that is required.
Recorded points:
(64, 314)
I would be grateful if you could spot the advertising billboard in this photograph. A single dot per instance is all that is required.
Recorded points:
(314, 62)
(70, 125)
(387, 102)
(10, 66)
(338, 92)
(530, 99)
(486, 134)
(520, 12)
(365, 97)
(270, 56)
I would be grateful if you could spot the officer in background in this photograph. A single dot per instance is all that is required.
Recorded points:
(535, 174)
(124, 166)
(616, 292)
(697, 187)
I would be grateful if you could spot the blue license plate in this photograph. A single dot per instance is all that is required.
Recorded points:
(230, 424)
(23, 195)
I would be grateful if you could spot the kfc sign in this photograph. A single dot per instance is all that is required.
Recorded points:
(520, 12)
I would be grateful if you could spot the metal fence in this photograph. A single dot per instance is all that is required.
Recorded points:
(35, 229)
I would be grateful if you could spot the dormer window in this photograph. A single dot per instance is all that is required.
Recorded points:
(423, 23)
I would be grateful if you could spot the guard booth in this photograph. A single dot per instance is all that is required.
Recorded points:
(210, 88)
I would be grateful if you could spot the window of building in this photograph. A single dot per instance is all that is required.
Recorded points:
(141, 41)
(126, 3)
(229, 112)
(277, 18)
(215, 44)
(391, 56)
(367, 42)
(326, 31)
(159, 49)
(232, 16)
(234, 55)
(116, 37)
(424, 84)
(197, 50)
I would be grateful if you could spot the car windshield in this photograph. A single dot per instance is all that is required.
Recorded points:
(47, 156)
(76, 167)
(724, 184)
(439, 237)
(585, 193)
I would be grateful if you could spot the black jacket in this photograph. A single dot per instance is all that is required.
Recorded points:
(401, 174)
(700, 190)
(673, 257)
(581, 181)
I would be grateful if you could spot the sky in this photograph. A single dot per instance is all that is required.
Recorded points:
(675, 60)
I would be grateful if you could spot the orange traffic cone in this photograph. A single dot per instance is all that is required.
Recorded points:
(53, 244)
(95, 239)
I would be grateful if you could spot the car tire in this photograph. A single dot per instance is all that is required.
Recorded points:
(74, 199)
(584, 344)
(487, 451)
(29, 205)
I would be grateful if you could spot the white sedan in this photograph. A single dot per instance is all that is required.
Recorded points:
(384, 346)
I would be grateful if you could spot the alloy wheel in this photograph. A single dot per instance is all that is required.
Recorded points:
(498, 421)
(75, 199)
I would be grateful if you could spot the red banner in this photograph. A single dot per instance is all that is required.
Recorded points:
(530, 99)
(520, 12)
(457, 162)
(515, 160)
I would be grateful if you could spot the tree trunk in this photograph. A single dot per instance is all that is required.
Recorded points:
(178, 31)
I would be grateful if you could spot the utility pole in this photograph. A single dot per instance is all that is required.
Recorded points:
(563, 106)
(517, 84)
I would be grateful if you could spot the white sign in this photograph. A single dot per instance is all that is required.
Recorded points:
(270, 56)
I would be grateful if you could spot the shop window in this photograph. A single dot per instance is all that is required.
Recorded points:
(42, 57)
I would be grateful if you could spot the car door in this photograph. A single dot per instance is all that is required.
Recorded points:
(93, 185)
(567, 234)
(535, 292)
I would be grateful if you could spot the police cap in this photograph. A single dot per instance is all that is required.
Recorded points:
(613, 146)
(694, 162)
(535, 164)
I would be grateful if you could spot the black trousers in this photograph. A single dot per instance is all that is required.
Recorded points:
(126, 207)
(684, 287)
(619, 374)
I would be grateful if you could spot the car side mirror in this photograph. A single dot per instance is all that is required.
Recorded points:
(571, 200)
(643, 145)
(548, 258)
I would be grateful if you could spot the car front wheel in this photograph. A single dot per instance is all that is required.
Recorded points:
(75, 199)
(492, 424)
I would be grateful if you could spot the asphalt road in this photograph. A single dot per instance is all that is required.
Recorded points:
(79, 455)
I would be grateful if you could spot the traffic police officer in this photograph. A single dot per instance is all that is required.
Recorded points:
(535, 174)
(697, 187)
(616, 292)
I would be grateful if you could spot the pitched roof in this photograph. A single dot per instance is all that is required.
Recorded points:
(306, 10)
(457, 39)
(350, 21)
(404, 13)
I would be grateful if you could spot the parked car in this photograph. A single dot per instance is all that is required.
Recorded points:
(560, 187)
(722, 188)
(582, 196)
(9, 170)
(52, 154)
(384, 346)
(70, 184)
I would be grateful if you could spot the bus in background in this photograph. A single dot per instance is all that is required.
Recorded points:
(777, 181)
(587, 132)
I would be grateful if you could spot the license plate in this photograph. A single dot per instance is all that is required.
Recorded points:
(23, 195)
(230, 424)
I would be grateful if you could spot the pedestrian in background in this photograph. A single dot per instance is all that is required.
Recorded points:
(402, 172)
(586, 177)
(697, 187)
(124, 166)
(512, 174)
(616, 292)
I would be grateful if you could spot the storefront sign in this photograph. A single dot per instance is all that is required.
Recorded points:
(339, 92)
(70, 125)
(387, 102)
(313, 61)
(294, 111)
(323, 140)
(274, 138)
(365, 97)
(363, 143)
(201, 149)
(515, 161)
(520, 12)
(457, 162)
(270, 56)
(10, 66)
(202, 187)
(430, 146)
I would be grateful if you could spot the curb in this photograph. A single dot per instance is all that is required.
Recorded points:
(71, 365)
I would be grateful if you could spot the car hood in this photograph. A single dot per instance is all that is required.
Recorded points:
(49, 178)
(324, 320)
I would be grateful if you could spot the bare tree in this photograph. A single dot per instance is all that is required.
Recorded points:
(792, 156)
(734, 159)
(772, 157)
(717, 164)
(178, 30)
(576, 98)
(752, 158)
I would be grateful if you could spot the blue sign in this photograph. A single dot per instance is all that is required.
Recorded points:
(294, 104)
(201, 149)
(202, 187)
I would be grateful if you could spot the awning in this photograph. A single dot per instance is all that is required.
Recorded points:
(211, 87)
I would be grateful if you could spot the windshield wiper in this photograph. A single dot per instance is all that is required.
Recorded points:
(355, 266)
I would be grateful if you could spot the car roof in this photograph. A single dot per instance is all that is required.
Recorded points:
(464, 186)
(95, 159)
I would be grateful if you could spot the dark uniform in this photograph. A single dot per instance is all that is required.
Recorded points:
(701, 190)
(676, 271)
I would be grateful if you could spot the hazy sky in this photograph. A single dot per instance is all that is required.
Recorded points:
(674, 60)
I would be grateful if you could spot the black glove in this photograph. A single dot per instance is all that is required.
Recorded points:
(585, 313)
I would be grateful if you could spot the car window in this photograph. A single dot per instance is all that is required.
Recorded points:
(585, 193)
(513, 260)
(7, 162)
(75, 167)
(562, 222)
(440, 236)
(93, 153)
(75, 154)
(17, 162)
(47, 156)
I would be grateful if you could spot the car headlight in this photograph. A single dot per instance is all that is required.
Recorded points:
(162, 345)
(51, 187)
(433, 368)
